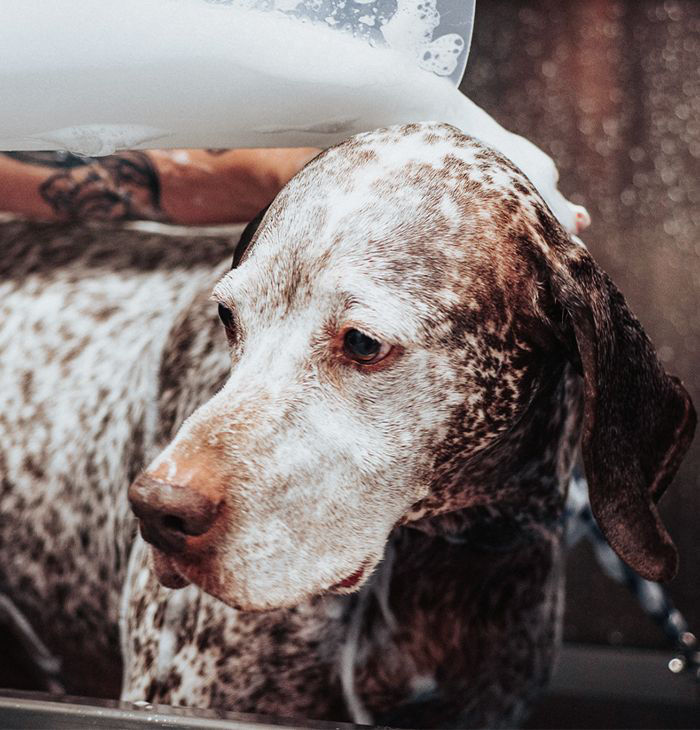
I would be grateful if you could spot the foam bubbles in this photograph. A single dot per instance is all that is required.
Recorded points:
(406, 26)
(442, 55)
(96, 77)
(97, 140)
(410, 31)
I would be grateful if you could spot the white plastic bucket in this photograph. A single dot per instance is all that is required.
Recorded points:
(93, 76)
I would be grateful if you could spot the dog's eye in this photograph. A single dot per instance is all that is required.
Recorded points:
(225, 315)
(364, 349)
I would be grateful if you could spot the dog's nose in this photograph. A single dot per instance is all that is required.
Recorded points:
(169, 513)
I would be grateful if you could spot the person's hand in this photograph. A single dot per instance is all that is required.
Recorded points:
(188, 187)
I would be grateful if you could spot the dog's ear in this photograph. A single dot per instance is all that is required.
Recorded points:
(638, 421)
(247, 237)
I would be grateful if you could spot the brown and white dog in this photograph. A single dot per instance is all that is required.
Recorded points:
(362, 514)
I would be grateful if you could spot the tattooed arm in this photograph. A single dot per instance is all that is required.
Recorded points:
(64, 186)
(188, 187)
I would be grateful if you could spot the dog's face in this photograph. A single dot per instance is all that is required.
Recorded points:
(392, 291)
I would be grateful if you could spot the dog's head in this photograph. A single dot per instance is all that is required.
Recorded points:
(405, 280)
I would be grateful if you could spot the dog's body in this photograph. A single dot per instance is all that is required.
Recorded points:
(446, 453)
(84, 327)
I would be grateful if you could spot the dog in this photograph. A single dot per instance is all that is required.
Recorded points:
(355, 475)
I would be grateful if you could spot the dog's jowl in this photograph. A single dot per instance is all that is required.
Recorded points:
(348, 463)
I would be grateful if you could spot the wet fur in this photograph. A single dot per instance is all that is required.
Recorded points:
(491, 303)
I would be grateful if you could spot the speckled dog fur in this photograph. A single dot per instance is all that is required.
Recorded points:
(435, 478)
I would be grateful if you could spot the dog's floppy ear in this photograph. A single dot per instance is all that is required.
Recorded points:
(246, 238)
(638, 421)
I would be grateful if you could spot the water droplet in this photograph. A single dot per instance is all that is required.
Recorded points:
(628, 196)
(665, 353)
(637, 154)
(549, 69)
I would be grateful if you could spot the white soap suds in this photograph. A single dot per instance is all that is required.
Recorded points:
(410, 31)
(95, 140)
(94, 77)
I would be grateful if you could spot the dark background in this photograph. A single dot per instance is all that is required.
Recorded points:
(611, 90)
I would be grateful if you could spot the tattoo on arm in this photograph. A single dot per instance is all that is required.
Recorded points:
(117, 187)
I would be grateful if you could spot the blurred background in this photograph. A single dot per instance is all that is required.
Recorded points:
(611, 90)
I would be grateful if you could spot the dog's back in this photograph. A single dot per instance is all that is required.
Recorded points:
(85, 316)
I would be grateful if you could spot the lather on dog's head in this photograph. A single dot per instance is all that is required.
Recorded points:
(403, 279)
